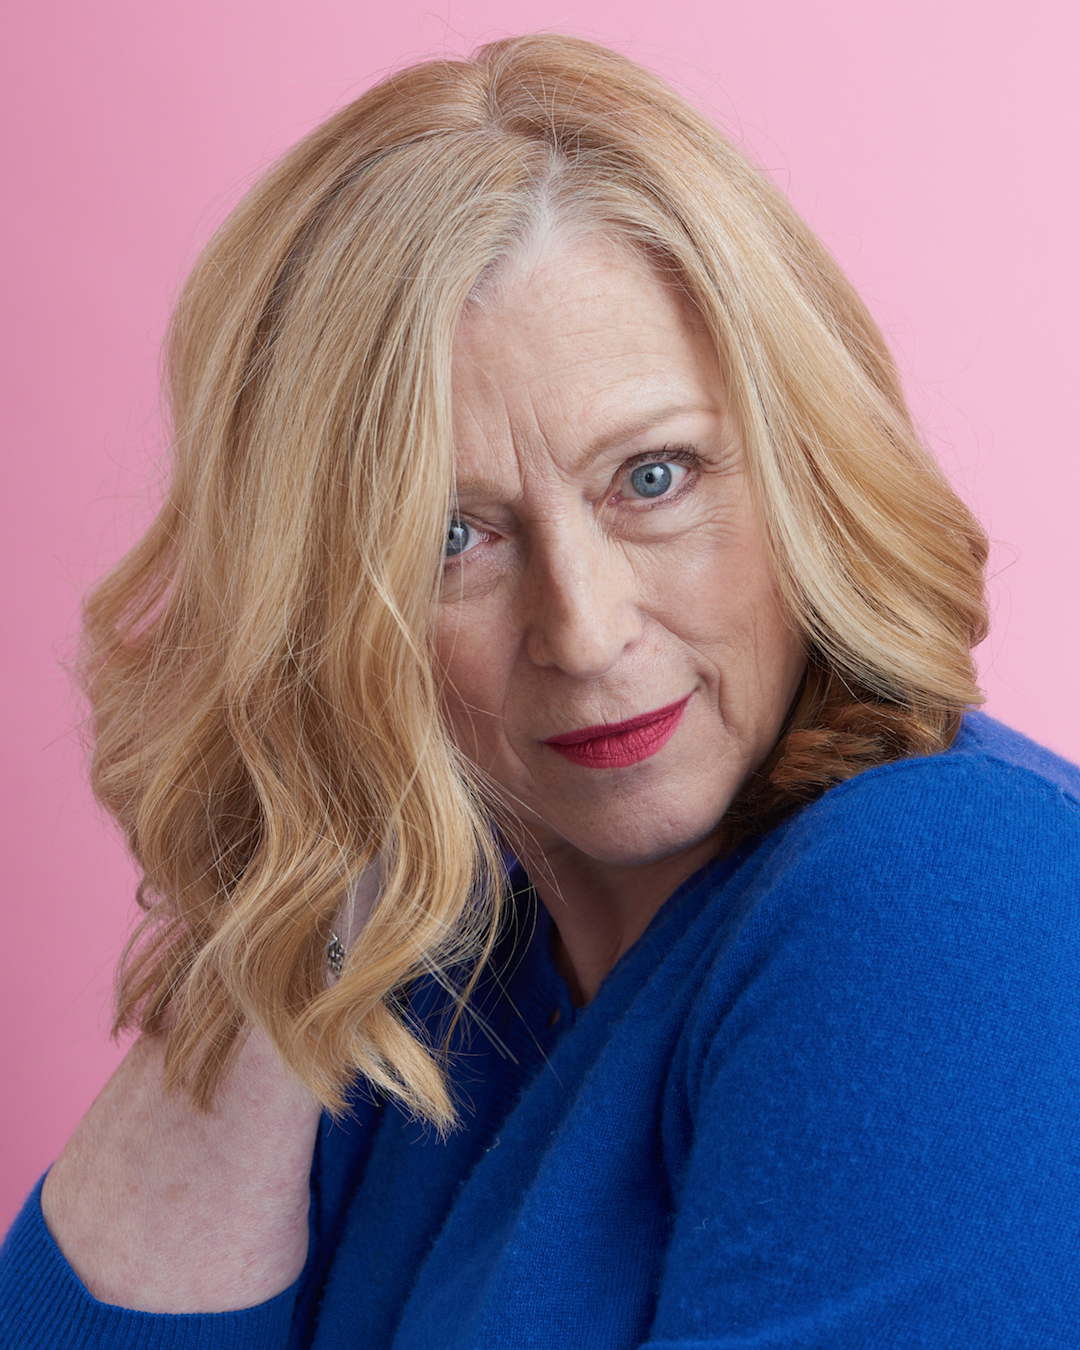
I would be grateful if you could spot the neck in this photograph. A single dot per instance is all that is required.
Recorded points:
(600, 909)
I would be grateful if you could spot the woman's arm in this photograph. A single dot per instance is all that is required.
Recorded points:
(884, 1108)
(163, 1208)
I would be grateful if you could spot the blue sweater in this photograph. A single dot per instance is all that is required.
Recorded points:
(830, 1099)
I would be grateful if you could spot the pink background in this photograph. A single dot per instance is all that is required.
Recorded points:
(932, 144)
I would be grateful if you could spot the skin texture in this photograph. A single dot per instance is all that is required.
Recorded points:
(576, 601)
(163, 1208)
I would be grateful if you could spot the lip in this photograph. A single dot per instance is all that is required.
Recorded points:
(617, 745)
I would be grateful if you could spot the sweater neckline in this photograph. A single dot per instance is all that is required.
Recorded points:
(542, 994)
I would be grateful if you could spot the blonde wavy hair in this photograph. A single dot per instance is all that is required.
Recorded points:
(265, 710)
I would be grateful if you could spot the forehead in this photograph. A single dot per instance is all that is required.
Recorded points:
(563, 283)
(585, 345)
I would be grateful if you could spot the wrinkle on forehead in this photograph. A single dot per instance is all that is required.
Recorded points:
(509, 369)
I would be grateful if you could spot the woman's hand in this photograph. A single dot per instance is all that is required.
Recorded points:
(164, 1208)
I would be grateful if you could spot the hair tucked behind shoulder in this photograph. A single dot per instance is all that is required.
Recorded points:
(265, 711)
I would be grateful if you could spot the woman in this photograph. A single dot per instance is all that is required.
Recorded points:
(544, 501)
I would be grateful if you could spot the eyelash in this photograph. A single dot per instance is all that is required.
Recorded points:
(675, 454)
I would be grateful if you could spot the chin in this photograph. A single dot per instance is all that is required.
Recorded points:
(620, 843)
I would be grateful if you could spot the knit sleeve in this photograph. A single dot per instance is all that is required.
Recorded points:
(44, 1306)
(884, 1100)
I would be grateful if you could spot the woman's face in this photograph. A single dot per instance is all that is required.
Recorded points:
(605, 566)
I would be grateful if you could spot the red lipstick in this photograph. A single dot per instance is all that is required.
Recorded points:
(620, 744)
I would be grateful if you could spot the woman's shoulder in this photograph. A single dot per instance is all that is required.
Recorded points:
(968, 857)
(987, 742)
(994, 792)
(872, 1097)
(940, 892)
(986, 754)
(972, 850)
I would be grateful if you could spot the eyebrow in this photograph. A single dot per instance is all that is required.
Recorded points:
(600, 447)
(629, 430)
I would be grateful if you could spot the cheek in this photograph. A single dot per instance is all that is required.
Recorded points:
(726, 605)
(720, 592)
(773, 667)
(467, 657)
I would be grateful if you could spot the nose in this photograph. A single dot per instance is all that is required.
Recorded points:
(579, 605)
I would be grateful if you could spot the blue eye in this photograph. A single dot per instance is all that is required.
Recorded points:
(458, 538)
(651, 480)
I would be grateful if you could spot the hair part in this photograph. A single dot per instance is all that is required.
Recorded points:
(265, 709)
